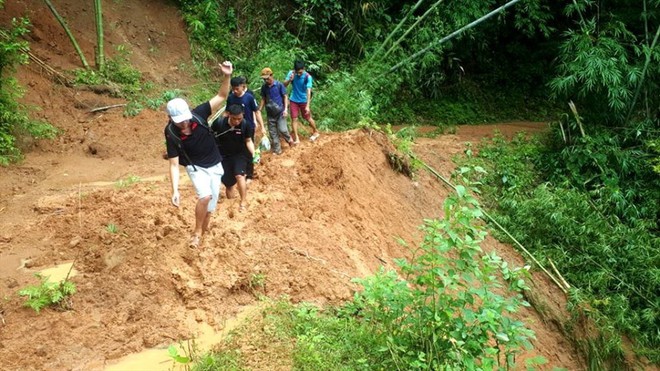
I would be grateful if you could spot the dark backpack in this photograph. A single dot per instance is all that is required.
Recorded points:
(272, 109)
(171, 133)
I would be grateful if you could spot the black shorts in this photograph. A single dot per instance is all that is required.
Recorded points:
(234, 165)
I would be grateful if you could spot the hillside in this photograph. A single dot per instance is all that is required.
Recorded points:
(319, 215)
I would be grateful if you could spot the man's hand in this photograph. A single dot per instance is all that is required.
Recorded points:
(227, 68)
(293, 74)
(285, 113)
(307, 108)
(175, 199)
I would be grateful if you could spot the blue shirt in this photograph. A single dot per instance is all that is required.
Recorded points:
(274, 93)
(300, 85)
(249, 104)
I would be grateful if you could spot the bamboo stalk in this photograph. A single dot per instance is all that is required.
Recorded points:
(100, 56)
(107, 107)
(554, 268)
(396, 29)
(641, 80)
(499, 226)
(454, 34)
(396, 43)
(68, 32)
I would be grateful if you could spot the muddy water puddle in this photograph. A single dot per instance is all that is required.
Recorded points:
(158, 359)
(59, 273)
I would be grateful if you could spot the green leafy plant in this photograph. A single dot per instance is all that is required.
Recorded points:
(48, 294)
(128, 181)
(14, 120)
(112, 228)
(257, 281)
(445, 312)
(184, 359)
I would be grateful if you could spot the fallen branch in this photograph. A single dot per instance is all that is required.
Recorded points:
(561, 278)
(107, 107)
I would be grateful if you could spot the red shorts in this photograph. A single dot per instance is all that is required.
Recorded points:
(297, 108)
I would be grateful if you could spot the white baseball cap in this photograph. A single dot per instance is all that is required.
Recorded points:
(178, 110)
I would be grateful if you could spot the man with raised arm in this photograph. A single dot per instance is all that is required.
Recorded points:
(191, 143)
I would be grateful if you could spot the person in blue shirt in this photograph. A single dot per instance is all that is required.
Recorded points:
(274, 99)
(301, 98)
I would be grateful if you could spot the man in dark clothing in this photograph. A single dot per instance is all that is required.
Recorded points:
(190, 143)
(274, 98)
(234, 138)
(242, 96)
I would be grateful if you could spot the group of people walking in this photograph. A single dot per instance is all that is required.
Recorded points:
(225, 151)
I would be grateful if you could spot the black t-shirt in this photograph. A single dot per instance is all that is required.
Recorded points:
(199, 145)
(231, 141)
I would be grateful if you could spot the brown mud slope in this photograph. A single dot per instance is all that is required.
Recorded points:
(318, 215)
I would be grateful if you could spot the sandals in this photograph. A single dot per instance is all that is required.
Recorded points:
(242, 208)
(314, 136)
(194, 241)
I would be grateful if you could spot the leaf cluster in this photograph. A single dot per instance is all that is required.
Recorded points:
(48, 294)
(15, 123)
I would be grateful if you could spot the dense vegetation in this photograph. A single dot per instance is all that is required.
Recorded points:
(586, 196)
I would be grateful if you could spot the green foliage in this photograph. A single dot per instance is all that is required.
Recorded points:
(228, 360)
(14, 120)
(445, 313)
(208, 29)
(597, 67)
(129, 180)
(120, 71)
(173, 352)
(601, 60)
(48, 294)
(592, 208)
(325, 340)
(340, 105)
(112, 228)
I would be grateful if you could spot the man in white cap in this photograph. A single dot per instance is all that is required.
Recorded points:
(191, 143)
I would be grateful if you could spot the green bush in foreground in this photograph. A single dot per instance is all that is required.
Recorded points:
(446, 313)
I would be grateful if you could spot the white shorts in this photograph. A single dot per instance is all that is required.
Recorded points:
(207, 182)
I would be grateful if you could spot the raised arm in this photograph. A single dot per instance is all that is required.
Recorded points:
(216, 101)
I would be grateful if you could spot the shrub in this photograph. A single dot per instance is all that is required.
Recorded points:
(48, 294)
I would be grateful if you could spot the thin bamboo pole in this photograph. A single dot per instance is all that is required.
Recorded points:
(100, 56)
(492, 220)
(454, 34)
(396, 43)
(396, 29)
(68, 32)
(641, 80)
